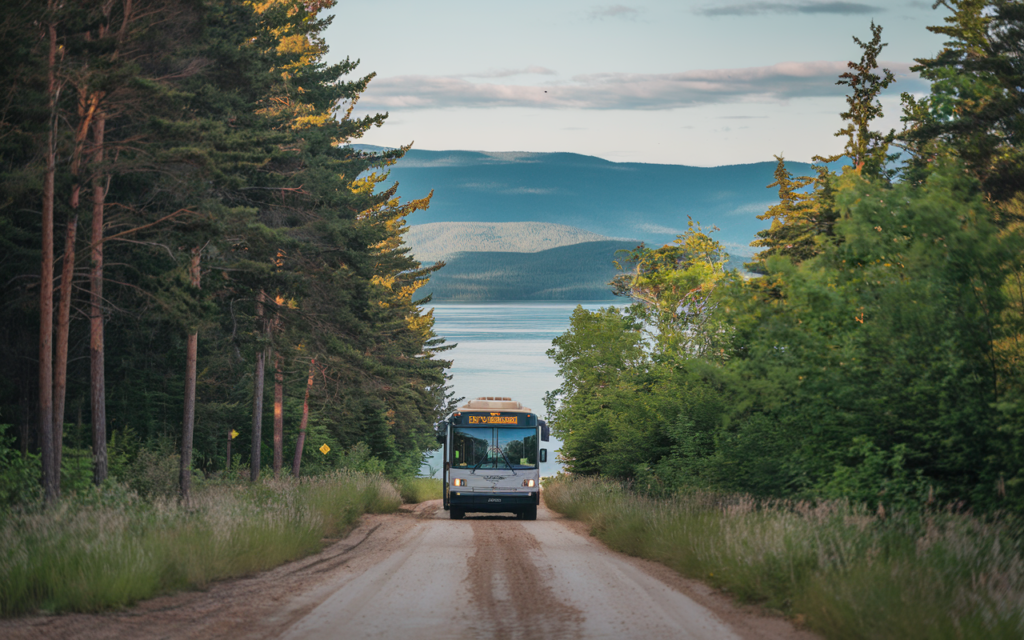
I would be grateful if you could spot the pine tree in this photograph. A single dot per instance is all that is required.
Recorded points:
(792, 231)
(976, 105)
(868, 150)
(802, 220)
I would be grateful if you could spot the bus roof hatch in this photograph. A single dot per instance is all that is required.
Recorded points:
(494, 403)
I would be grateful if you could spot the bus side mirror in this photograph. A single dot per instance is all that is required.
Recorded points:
(545, 431)
(439, 433)
(543, 455)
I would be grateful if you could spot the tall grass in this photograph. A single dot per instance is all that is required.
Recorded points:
(839, 569)
(416, 490)
(113, 548)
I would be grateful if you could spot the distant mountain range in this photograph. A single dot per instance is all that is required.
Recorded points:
(649, 202)
(436, 241)
(488, 208)
(574, 272)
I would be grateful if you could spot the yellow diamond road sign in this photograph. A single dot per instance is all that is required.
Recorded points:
(325, 449)
(233, 434)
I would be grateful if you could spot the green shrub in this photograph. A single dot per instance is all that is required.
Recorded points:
(108, 547)
(416, 490)
(154, 473)
(358, 457)
(843, 571)
(19, 475)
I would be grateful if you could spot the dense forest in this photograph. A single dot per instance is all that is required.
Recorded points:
(198, 269)
(877, 357)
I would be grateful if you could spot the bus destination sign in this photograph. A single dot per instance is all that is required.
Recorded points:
(493, 419)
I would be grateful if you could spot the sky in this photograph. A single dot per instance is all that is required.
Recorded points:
(692, 82)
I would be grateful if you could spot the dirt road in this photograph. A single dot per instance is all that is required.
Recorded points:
(417, 575)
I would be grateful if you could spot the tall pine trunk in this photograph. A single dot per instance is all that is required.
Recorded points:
(301, 442)
(257, 395)
(97, 379)
(189, 421)
(87, 104)
(60, 364)
(50, 474)
(278, 413)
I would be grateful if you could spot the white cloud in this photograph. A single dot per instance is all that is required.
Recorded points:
(506, 73)
(757, 207)
(619, 11)
(737, 250)
(500, 187)
(758, 8)
(538, 191)
(775, 83)
(409, 163)
(646, 227)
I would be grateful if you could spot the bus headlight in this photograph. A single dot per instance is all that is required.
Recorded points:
(459, 482)
(528, 483)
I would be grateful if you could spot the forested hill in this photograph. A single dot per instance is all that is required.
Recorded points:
(575, 272)
(650, 202)
(541, 261)
(440, 240)
(535, 202)
(516, 260)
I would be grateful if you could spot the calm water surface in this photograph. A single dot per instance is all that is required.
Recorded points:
(501, 351)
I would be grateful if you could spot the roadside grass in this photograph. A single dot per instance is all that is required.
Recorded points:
(838, 569)
(416, 490)
(109, 548)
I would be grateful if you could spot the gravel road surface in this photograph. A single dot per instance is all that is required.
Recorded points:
(418, 575)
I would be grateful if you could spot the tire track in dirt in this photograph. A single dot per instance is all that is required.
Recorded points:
(509, 590)
(337, 559)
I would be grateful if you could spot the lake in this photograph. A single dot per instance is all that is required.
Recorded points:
(500, 352)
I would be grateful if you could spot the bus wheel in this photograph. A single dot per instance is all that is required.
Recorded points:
(530, 513)
(455, 513)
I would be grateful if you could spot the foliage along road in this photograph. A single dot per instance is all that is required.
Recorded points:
(417, 574)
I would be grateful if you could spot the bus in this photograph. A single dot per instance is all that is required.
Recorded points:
(492, 456)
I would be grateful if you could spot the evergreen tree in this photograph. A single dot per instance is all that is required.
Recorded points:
(868, 150)
(792, 231)
(975, 108)
(219, 176)
(802, 221)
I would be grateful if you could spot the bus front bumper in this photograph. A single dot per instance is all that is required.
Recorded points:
(496, 502)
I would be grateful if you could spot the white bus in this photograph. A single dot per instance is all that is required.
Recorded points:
(492, 456)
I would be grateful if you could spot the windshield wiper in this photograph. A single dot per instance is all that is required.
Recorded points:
(507, 463)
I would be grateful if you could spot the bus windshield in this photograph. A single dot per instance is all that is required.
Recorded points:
(494, 448)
